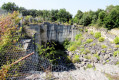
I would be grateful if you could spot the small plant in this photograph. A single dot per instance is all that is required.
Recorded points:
(87, 50)
(72, 48)
(76, 58)
(96, 55)
(97, 35)
(89, 40)
(81, 50)
(86, 30)
(89, 66)
(117, 63)
(78, 42)
(104, 46)
(107, 61)
(117, 46)
(78, 36)
(103, 51)
(116, 53)
(88, 57)
(116, 40)
(94, 44)
(101, 39)
(91, 33)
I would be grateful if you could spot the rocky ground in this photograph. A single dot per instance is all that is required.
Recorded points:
(96, 62)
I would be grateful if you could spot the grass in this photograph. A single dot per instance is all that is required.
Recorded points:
(97, 34)
(116, 53)
(89, 40)
(116, 40)
(75, 58)
(103, 46)
(101, 39)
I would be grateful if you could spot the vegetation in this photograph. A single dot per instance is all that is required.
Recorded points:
(116, 53)
(101, 39)
(72, 48)
(96, 55)
(116, 40)
(78, 36)
(89, 40)
(89, 66)
(103, 46)
(76, 58)
(91, 33)
(97, 35)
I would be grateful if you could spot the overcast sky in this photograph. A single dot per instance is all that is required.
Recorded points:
(70, 5)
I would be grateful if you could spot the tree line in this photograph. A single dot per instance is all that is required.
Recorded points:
(107, 18)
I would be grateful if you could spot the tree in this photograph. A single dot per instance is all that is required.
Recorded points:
(101, 17)
(10, 6)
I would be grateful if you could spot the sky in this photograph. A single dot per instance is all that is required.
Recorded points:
(70, 5)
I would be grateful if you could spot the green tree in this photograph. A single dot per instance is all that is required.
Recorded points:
(10, 6)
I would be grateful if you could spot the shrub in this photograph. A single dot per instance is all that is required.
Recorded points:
(117, 63)
(104, 46)
(97, 35)
(72, 48)
(78, 42)
(86, 30)
(101, 39)
(116, 53)
(76, 58)
(91, 33)
(96, 55)
(78, 36)
(117, 46)
(87, 50)
(89, 40)
(116, 40)
(88, 57)
(89, 66)
(81, 50)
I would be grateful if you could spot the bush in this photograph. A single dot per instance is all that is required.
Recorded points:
(117, 46)
(116, 40)
(76, 58)
(78, 36)
(101, 39)
(96, 55)
(72, 48)
(97, 35)
(91, 33)
(116, 53)
(89, 66)
(86, 30)
(89, 40)
(78, 42)
(104, 46)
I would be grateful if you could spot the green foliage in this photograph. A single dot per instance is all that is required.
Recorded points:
(75, 58)
(82, 49)
(66, 43)
(89, 66)
(116, 40)
(91, 33)
(117, 46)
(103, 46)
(89, 40)
(10, 6)
(72, 48)
(78, 36)
(96, 55)
(117, 63)
(88, 57)
(116, 53)
(86, 30)
(101, 39)
(97, 34)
